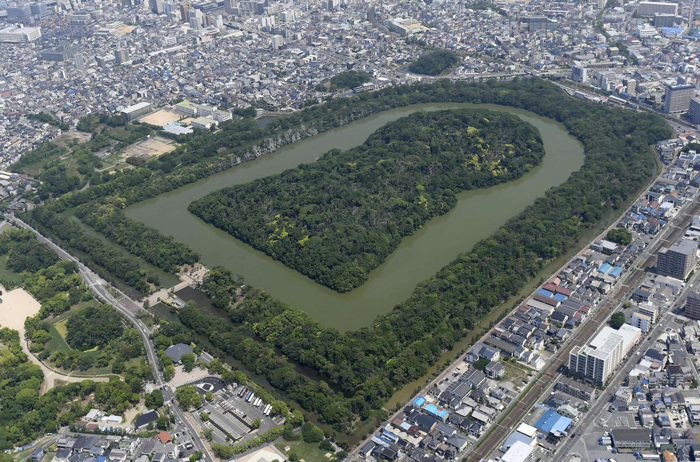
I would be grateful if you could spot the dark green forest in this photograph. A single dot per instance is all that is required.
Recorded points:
(161, 251)
(434, 63)
(105, 260)
(338, 218)
(94, 327)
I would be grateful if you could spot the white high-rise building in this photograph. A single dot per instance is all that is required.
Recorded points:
(596, 361)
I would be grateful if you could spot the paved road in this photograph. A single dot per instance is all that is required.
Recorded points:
(95, 283)
(581, 336)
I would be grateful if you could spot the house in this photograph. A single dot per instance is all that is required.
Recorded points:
(457, 442)
(176, 352)
(62, 455)
(38, 454)
(473, 378)
(494, 370)
(144, 419)
(164, 437)
(480, 351)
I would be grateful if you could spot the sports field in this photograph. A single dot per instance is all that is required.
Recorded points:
(160, 118)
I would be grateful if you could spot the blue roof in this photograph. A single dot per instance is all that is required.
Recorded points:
(545, 292)
(560, 297)
(443, 414)
(419, 401)
(552, 422)
(615, 272)
(431, 408)
(604, 268)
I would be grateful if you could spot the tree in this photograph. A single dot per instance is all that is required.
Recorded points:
(326, 445)
(279, 408)
(296, 419)
(311, 433)
(154, 400)
(208, 433)
(169, 373)
(481, 363)
(196, 456)
(617, 320)
(188, 360)
(163, 422)
(209, 396)
(619, 236)
(255, 423)
(434, 63)
(188, 397)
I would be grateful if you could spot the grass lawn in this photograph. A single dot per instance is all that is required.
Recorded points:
(7, 274)
(61, 328)
(58, 341)
(515, 373)
(307, 451)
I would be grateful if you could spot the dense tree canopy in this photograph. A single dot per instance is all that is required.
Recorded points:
(434, 63)
(25, 252)
(350, 79)
(94, 327)
(338, 218)
(161, 251)
(619, 236)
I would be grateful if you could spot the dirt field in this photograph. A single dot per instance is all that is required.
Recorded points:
(182, 377)
(153, 147)
(65, 139)
(16, 306)
(160, 118)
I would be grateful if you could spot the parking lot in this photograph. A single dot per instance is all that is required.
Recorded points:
(209, 384)
(231, 415)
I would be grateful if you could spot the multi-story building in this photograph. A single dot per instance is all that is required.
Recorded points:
(19, 11)
(648, 310)
(80, 18)
(678, 98)
(184, 11)
(576, 389)
(596, 361)
(694, 110)
(641, 321)
(62, 52)
(137, 110)
(647, 9)
(665, 20)
(121, 55)
(579, 74)
(277, 42)
(692, 306)
(678, 260)
(158, 6)
(79, 60)
(15, 34)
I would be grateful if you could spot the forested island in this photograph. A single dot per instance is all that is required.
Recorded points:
(338, 218)
(434, 63)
